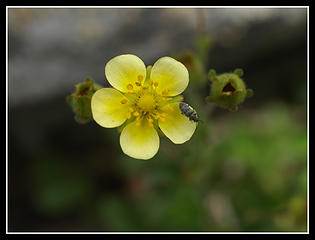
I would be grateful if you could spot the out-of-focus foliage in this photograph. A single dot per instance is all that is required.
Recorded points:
(245, 179)
(231, 176)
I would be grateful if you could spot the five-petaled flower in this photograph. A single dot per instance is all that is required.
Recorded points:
(143, 103)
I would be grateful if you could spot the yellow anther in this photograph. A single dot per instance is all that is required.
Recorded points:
(128, 115)
(162, 119)
(165, 91)
(151, 125)
(145, 88)
(150, 82)
(140, 78)
(124, 101)
(170, 109)
(164, 114)
(156, 84)
(138, 84)
(150, 120)
(129, 86)
(156, 116)
(138, 123)
(136, 114)
(131, 109)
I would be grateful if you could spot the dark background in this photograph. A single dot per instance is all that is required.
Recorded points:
(241, 171)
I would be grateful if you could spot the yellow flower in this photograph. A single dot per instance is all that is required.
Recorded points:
(144, 103)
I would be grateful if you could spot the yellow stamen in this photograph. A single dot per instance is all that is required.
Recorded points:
(145, 88)
(156, 84)
(128, 115)
(156, 116)
(129, 87)
(124, 101)
(165, 91)
(162, 119)
(136, 114)
(150, 120)
(140, 78)
(131, 109)
(150, 82)
(164, 114)
(151, 125)
(170, 109)
(138, 123)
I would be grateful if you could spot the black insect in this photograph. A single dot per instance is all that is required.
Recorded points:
(188, 111)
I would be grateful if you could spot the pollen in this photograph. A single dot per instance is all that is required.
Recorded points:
(165, 91)
(124, 101)
(170, 109)
(129, 87)
(128, 115)
(164, 114)
(162, 119)
(136, 114)
(140, 78)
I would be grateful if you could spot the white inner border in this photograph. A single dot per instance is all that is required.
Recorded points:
(7, 7)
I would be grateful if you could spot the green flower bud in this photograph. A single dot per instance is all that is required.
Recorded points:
(228, 90)
(80, 100)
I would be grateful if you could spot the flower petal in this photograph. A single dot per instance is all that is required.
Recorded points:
(107, 109)
(141, 142)
(123, 70)
(170, 75)
(177, 127)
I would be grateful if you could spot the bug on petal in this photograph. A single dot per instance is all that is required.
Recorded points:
(188, 111)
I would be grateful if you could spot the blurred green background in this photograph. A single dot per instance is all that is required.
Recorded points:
(241, 171)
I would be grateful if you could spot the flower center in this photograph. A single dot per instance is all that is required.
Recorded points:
(147, 103)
